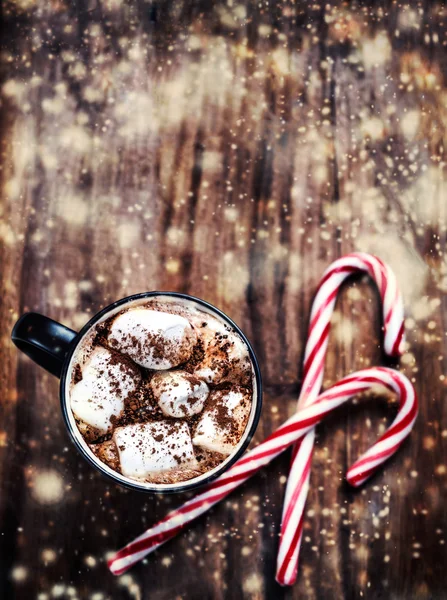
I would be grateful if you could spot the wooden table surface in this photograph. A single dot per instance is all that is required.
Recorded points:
(231, 150)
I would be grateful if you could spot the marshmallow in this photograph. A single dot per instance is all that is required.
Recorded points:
(106, 382)
(154, 447)
(223, 421)
(153, 339)
(226, 358)
(178, 393)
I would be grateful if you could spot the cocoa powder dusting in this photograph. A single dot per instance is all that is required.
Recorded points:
(102, 332)
(197, 356)
(77, 374)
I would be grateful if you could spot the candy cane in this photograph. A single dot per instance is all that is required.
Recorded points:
(292, 430)
(315, 352)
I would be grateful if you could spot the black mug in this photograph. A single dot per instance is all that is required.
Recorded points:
(52, 346)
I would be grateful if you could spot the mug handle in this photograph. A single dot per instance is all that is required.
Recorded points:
(45, 341)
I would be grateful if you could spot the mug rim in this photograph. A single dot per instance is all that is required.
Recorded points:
(155, 488)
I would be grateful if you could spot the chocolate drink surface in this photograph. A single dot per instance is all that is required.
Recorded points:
(162, 391)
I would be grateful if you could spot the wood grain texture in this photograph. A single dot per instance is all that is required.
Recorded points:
(231, 150)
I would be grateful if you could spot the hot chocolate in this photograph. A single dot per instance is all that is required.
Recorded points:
(162, 391)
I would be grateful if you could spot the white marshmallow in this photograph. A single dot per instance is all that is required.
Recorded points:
(178, 393)
(154, 447)
(153, 339)
(224, 359)
(104, 386)
(215, 436)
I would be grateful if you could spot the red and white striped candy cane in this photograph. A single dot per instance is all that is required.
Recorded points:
(292, 430)
(315, 353)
